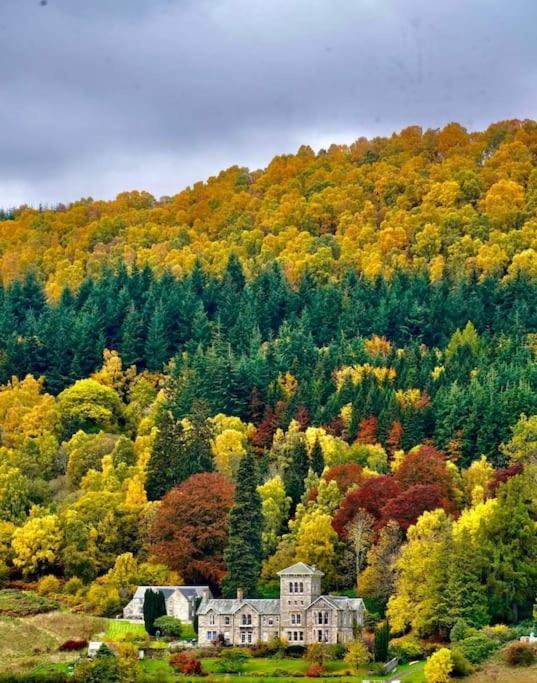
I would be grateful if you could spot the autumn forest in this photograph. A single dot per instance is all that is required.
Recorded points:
(330, 360)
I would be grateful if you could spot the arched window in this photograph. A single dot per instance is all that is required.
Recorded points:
(290, 586)
(301, 587)
(296, 586)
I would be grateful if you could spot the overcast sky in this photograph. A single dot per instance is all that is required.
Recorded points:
(101, 96)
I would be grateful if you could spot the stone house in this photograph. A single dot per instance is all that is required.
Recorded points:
(180, 601)
(300, 616)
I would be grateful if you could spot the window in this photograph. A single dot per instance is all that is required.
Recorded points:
(319, 617)
(289, 635)
(301, 587)
(211, 619)
(301, 635)
(270, 621)
(243, 637)
(226, 621)
(290, 586)
(326, 636)
(265, 637)
(211, 635)
(326, 617)
(249, 636)
(296, 586)
(293, 617)
(246, 619)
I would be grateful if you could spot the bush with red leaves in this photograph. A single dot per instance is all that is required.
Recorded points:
(186, 663)
(314, 671)
(73, 645)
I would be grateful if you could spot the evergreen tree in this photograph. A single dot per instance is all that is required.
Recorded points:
(317, 458)
(382, 640)
(156, 346)
(154, 607)
(165, 468)
(244, 551)
(296, 472)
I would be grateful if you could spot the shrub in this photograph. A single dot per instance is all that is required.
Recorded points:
(48, 584)
(232, 660)
(21, 603)
(438, 666)
(169, 626)
(406, 649)
(314, 670)
(73, 644)
(186, 663)
(73, 586)
(295, 650)
(461, 666)
(520, 654)
(460, 630)
(477, 648)
(499, 632)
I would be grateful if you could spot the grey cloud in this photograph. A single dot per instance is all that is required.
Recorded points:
(98, 96)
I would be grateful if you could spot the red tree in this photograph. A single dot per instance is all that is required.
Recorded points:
(393, 440)
(345, 475)
(367, 431)
(191, 527)
(372, 496)
(426, 466)
(502, 475)
(303, 418)
(407, 507)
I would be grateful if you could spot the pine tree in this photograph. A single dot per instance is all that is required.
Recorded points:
(467, 596)
(244, 552)
(296, 471)
(156, 346)
(317, 458)
(154, 607)
(164, 469)
(382, 640)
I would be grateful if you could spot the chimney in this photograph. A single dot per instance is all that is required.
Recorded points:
(240, 594)
(205, 594)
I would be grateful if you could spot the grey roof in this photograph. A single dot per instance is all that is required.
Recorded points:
(223, 606)
(189, 592)
(340, 602)
(301, 568)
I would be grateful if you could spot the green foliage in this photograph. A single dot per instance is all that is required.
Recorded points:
(381, 643)
(232, 660)
(477, 648)
(244, 550)
(170, 627)
(154, 607)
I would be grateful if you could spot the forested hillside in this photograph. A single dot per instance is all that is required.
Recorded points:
(438, 202)
(340, 350)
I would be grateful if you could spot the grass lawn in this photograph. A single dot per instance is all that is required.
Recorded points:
(495, 670)
(117, 629)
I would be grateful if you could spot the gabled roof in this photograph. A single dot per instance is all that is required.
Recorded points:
(189, 592)
(340, 602)
(300, 569)
(223, 606)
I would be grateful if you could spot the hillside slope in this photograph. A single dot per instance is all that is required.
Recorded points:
(445, 201)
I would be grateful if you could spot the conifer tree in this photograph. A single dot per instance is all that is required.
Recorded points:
(244, 552)
(164, 469)
(382, 640)
(317, 458)
(296, 472)
(154, 607)
(156, 347)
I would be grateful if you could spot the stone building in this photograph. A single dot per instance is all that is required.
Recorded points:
(301, 615)
(180, 601)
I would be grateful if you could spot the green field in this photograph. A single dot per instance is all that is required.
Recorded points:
(258, 667)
